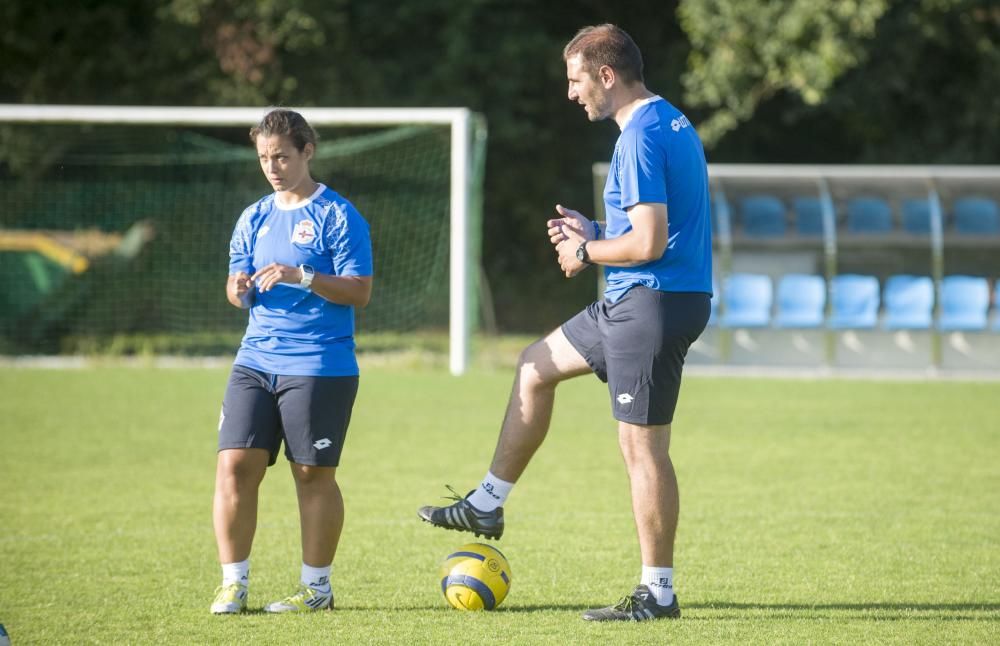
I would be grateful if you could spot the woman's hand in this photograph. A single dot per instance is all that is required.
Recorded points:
(275, 273)
(239, 290)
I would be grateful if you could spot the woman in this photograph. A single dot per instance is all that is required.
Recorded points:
(300, 261)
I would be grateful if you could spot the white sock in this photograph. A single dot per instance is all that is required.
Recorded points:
(236, 573)
(316, 577)
(660, 581)
(491, 493)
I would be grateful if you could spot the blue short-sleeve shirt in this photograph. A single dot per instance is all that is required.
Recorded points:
(293, 331)
(659, 158)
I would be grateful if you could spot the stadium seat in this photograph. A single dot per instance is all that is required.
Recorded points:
(748, 299)
(808, 216)
(996, 306)
(869, 215)
(713, 317)
(976, 215)
(763, 216)
(801, 299)
(965, 302)
(855, 301)
(917, 216)
(909, 302)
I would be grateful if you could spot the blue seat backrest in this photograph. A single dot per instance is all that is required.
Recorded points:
(801, 301)
(869, 215)
(976, 215)
(996, 306)
(909, 302)
(748, 299)
(965, 302)
(855, 301)
(916, 216)
(763, 216)
(808, 216)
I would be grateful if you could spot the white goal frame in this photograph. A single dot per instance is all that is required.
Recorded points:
(468, 133)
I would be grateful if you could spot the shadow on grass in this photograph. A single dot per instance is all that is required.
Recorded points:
(876, 611)
(901, 605)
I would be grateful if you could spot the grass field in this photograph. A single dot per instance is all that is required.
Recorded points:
(812, 512)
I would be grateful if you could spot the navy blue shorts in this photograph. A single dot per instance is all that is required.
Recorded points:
(637, 345)
(310, 414)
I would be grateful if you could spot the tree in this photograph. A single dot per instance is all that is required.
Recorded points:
(744, 53)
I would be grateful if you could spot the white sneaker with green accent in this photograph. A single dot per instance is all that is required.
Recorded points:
(230, 599)
(306, 599)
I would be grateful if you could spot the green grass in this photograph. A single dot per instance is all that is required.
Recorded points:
(812, 512)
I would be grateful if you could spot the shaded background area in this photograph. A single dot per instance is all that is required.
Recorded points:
(793, 81)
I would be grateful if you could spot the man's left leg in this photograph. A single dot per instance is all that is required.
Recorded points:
(655, 506)
(655, 502)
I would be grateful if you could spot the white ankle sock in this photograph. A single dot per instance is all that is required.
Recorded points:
(491, 493)
(236, 573)
(660, 581)
(316, 577)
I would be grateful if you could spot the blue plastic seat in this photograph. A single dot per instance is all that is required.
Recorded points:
(869, 215)
(801, 300)
(748, 299)
(713, 318)
(917, 216)
(996, 306)
(855, 301)
(909, 302)
(965, 302)
(808, 216)
(976, 215)
(763, 216)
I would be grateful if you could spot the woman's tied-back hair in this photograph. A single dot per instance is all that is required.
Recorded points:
(609, 45)
(285, 123)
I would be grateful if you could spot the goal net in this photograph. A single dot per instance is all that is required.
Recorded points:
(117, 221)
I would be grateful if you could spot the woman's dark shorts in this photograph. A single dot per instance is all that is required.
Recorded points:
(310, 414)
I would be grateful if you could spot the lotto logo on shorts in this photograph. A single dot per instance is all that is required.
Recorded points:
(625, 398)
(322, 444)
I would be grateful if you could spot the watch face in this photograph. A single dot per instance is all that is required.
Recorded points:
(581, 253)
(307, 275)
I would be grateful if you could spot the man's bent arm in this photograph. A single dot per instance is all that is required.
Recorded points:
(646, 242)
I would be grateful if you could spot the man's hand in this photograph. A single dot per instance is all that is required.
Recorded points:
(239, 289)
(567, 233)
(275, 273)
(570, 221)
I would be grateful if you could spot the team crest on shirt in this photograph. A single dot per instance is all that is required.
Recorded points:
(304, 233)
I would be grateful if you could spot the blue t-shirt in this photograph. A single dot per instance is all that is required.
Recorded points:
(659, 158)
(293, 331)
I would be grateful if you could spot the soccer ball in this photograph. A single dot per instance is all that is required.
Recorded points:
(475, 577)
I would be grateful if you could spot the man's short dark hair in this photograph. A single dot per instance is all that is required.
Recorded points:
(609, 45)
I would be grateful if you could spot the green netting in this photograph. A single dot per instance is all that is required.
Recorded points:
(152, 209)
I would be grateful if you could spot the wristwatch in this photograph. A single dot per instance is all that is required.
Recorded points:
(307, 275)
(581, 253)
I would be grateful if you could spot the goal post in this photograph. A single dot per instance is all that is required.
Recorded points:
(466, 131)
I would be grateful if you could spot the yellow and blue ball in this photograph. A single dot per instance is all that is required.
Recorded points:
(475, 577)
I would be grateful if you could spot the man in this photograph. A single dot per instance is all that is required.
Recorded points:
(656, 304)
